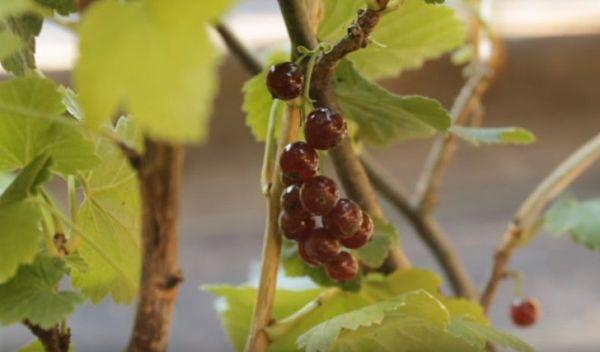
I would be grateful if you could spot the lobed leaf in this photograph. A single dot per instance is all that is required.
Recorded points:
(581, 220)
(31, 294)
(155, 60)
(478, 335)
(9, 44)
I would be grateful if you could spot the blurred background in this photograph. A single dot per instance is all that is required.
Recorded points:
(549, 85)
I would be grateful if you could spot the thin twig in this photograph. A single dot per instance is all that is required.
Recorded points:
(531, 210)
(258, 340)
(237, 48)
(426, 227)
(52, 339)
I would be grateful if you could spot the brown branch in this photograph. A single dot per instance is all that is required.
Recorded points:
(426, 228)
(262, 316)
(251, 64)
(52, 339)
(531, 210)
(160, 184)
(346, 162)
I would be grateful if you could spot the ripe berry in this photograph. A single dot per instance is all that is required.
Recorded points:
(290, 202)
(321, 246)
(288, 181)
(319, 195)
(345, 218)
(295, 228)
(525, 312)
(343, 268)
(298, 161)
(285, 81)
(305, 257)
(324, 128)
(362, 236)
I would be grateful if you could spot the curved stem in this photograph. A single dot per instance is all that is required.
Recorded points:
(258, 340)
(426, 228)
(531, 210)
(250, 63)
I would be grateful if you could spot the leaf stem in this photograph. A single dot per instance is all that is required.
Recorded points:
(531, 210)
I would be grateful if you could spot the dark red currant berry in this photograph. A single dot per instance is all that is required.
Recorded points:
(285, 80)
(321, 245)
(299, 161)
(319, 195)
(291, 204)
(288, 181)
(324, 129)
(295, 228)
(525, 312)
(305, 257)
(362, 236)
(343, 268)
(345, 218)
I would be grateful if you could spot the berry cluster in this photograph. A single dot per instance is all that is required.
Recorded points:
(313, 213)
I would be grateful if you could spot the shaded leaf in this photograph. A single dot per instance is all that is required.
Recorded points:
(478, 335)
(62, 7)
(375, 252)
(581, 220)
(9, 44)
(493, 135)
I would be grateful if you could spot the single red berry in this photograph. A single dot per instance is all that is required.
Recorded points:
(321, 245)
(291, 204)
(362, 236)
(324, 128)
(305, 257)
(525, 311)
(319, 195)
(345, 218)
(299, 161)
(285, 81)
(295, 228)
(343, 268)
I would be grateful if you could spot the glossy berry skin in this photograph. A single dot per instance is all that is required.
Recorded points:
(288, 181)
(295, 228)
(322, 246)
(345, 218)
(343, 268)
(319, 195)
(525, 312)
(291, 204)
(362, 236)
(285, 81)
(305, 257)
(324, 128)
(299, 161)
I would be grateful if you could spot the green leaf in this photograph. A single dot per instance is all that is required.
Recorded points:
(31, 294)
(9, 44)
(581, 220)
(496, 135)
(30, 110)
(382, 116)
(20, 217)
(169, 85)
(407, 36)
(36, 346)
(71, 102)
(26, 26)
(258, 100)
(478, 335)
(62, 7)
(380, 324)
(14, 7)
(385, 237)
(109, 219)
(236, 311)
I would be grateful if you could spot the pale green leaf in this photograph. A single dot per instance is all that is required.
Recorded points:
(155, 60)
(31, 294)
(493, 135)
(581, 220)
(14, 7)
(258, 100)
(478, 335)
(414, 33)
(20, 217)
(382, 116)
(403, 39)
(71, 102)
(109, 219)
(30, 110)
(9, 44)
(62, 7)
(375, 252)
(405, 315)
